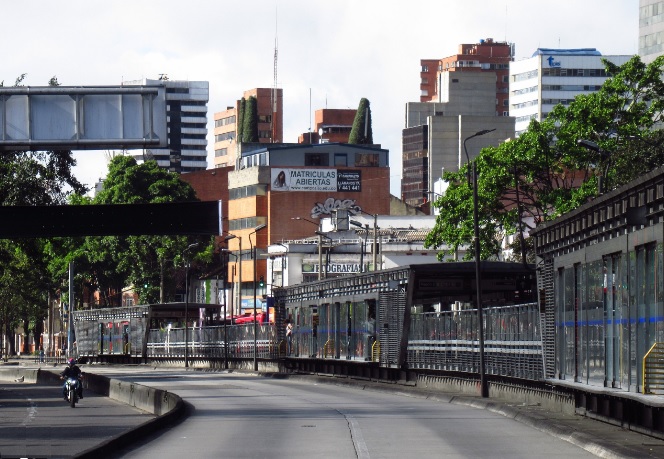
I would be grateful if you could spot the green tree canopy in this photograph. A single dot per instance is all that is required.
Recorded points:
(361, 132)
(544, 172)
(146, 262)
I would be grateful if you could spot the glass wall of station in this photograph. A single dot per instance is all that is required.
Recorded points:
(609, 312)
(343, 329)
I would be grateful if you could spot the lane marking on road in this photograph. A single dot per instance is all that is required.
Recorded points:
(356, 436)
(32, 412)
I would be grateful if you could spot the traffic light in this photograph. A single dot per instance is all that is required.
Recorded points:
(261, 282)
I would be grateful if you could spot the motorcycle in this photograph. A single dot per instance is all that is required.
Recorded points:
(71, 389)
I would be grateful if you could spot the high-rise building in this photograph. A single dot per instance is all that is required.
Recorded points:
(186, 112)
(485, 56)
(651, 29)
(554, 76)
(432, 140)
(227, 124)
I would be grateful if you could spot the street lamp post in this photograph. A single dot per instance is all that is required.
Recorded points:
(253, 255)
(320, 244)
(364, 246)
(604, 155)
(284, 265)
(186, 305)
(231, 295)
(227, 254)
(484, 389)
(320, 255)
(374, 245)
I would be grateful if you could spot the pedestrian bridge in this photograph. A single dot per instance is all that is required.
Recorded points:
(82, 118)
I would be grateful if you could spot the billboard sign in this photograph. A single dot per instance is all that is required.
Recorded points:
(330, 180)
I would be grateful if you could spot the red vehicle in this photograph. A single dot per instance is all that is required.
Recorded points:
(249, 318)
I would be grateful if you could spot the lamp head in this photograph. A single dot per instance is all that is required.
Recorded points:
(588, 144)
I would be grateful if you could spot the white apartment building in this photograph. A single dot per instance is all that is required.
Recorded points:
(186, 111)
(551, 77)
(651, 29)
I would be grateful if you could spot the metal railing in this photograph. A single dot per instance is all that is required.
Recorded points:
(209, 342)
(449, 341)
(653, 370)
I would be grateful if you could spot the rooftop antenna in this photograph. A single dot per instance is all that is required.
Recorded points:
(274, 89)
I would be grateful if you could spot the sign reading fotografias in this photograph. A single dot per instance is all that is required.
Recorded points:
(315, 180)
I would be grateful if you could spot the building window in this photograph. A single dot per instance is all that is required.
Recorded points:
(425, 68)
(264, 118)
(246, 223)
(225, 136)
(316, 159)
(366, 159)
(221, 152)
(247, 191)
(340, 159)
(224, 121)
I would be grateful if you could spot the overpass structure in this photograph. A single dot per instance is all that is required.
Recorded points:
(82, 117)
(173, 218)
(91, 118)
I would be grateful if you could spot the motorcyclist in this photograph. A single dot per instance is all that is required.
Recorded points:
(72, 371)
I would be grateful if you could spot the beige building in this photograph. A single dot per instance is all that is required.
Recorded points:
(270, 124)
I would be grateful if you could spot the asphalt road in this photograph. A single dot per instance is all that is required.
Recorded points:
(35, 421)
(245, 416)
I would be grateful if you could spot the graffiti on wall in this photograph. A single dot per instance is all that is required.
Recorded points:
(331, 204)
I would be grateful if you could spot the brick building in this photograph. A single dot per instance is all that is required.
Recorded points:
(289, 189)
(330, 125)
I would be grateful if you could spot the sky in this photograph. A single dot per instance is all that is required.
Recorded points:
(330, 53)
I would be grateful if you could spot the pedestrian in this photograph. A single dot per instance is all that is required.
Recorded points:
(41, 354)
(289, 335)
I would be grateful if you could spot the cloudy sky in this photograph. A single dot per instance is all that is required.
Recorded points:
(331, 53)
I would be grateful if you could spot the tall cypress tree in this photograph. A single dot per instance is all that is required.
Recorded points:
(361, 131)
(250, 121)
(240, 120)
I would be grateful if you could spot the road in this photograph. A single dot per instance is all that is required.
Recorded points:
(246, 416)
(35, 421)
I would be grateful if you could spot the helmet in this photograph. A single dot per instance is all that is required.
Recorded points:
(71, 362)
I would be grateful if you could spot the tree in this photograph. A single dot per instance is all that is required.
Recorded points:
(250, 121)
(30, 178)
(361, 132)
(146, 262)
(545, 172)
(240, 119)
